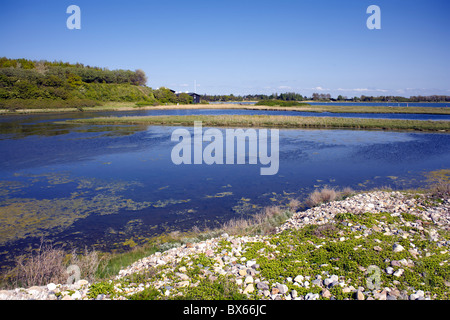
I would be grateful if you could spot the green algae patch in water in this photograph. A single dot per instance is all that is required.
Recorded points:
(21, 218)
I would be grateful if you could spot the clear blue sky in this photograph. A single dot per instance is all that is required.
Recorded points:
(245, 46)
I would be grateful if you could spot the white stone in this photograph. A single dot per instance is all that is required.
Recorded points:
(248, 279)
(51, 286)
(250, 263)
(413, 296)
(282, 288)
(82, 282)
(294, 294)
(398, 248)
(160, 262)
(312, 296)
(398, 273)
(76, 295)
(249, 289)
(346, 290)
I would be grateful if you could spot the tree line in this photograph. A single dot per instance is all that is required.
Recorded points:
(288, 96)
(292, 96)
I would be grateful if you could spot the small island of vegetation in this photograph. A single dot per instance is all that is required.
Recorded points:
(273, 122)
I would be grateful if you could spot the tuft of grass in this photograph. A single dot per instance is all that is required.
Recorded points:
(322, 196)
(43, 266)
(327, 195)
(439, 183)
(263, 223)
(49, 264)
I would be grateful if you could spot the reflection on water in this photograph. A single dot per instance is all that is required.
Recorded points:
(113, 186)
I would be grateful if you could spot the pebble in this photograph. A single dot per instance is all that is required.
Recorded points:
(282, 288)
(326, 293)
(294, 294)
(359, 295)
(312, 296)
(51, 287)
(262, 286)
(242, 272)
(249, 289)
(398, 273)
(398, 248)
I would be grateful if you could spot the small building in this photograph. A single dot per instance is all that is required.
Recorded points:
(195, 97)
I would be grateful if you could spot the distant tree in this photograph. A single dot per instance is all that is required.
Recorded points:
(164, 95)
(139, 79)
(184, 98)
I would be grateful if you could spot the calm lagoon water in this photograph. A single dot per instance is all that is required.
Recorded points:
(112, 186)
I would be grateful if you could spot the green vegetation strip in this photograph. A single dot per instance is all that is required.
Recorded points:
(274, 122)
(358, 109)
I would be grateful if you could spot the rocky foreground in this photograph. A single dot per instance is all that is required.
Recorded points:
(379, 245)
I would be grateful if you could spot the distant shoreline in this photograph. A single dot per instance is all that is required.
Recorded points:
(129, 106)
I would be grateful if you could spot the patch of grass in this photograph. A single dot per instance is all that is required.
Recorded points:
(281, 103)
(377, 109)
(149, 293)
(105, 287)
(273, 122)
(223, 288)
(113, 263)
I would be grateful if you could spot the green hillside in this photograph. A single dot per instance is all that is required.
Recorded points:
(43, 84)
